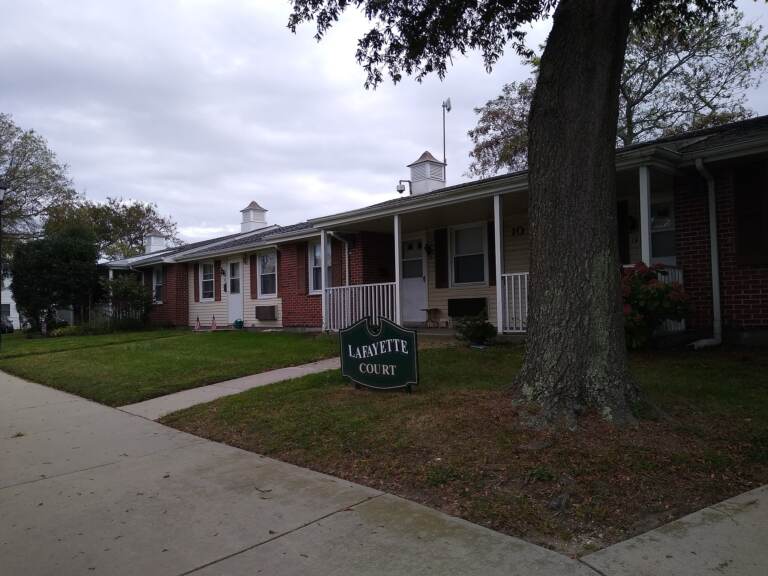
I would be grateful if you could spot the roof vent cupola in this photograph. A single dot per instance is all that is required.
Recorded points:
(154, 241)
(254, 217)
(427, 174)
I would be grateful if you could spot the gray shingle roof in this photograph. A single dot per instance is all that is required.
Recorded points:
(255, 239)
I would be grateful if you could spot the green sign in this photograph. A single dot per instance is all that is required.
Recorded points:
(382, 357)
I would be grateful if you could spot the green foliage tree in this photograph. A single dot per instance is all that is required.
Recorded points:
(55, 271)
(671, 83)
(576, 353)
(118, 225)
(36, 181)
(130, 299)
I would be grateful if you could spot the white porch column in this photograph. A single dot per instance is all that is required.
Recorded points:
(323, 279)
(398, 243)
(645, 214)
(497, 232)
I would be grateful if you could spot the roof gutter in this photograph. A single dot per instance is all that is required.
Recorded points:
(717, 327)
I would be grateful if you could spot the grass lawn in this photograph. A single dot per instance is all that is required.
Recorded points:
(18, 344)
(457, 443)
(119, 369)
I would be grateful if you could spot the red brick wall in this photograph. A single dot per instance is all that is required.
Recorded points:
(743, 289)
(300, 309)
(174, 310)
(371, 258)
(692, 245)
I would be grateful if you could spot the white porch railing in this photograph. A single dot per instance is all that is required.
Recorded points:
(515, 302)
(348, 304)
(673, 274)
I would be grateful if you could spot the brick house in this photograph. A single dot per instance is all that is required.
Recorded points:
(697, 202)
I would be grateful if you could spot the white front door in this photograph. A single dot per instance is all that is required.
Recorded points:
(234, 290)
(413, 284)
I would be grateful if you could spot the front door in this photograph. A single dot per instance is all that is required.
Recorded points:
(234, 290)
(413, 284)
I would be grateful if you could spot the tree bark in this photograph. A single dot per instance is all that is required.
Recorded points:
(576, 355)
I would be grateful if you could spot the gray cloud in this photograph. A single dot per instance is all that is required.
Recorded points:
(202, 106)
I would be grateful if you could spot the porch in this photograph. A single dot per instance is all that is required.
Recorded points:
(455, 258)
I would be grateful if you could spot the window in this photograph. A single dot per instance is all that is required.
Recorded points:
(6, 311)
(468, 246)
(157, 284)
(267, 268)
(234, 277)
(206, 281)
(662, 230)
(315, 266)
(751, 191)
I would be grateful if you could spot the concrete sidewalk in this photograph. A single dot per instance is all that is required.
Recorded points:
(729, 538)
(87, 489)
(156, 408)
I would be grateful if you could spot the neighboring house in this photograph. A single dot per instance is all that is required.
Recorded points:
(8, 304)
(443, 252)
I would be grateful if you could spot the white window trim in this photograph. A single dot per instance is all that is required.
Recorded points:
(155, 269)
(310, 264)
(202, 275)
(452, 250)
(260, 294)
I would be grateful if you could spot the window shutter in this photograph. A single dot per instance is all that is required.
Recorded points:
(491, 253)
(441, 258)
(254, 277)
(302, 280)
(217, 279)
(197, 281)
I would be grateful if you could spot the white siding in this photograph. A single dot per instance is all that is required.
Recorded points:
(206, 310)
(249, 306)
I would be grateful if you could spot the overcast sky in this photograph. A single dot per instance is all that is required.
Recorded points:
(204, 105)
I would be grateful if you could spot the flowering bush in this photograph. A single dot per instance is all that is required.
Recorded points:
(649, 300)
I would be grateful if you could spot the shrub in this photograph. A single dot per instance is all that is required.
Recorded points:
(65, 331)
(475, 329)
(649, 301)
(131, 301)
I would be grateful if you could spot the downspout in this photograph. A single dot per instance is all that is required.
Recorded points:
(717, 327)
(346, 255)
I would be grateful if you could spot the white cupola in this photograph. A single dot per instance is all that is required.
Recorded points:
(427, 174)
(154, 241)
(254, 217)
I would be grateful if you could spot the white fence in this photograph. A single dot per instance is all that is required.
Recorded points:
(345, 305)
(515, 302)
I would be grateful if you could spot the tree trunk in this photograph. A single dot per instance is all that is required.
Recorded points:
(576, 355)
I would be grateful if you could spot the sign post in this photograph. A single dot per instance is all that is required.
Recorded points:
(382, 358)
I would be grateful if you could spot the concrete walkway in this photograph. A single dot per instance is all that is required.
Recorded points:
(730, 538)
(156, 408)
(87, 489)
